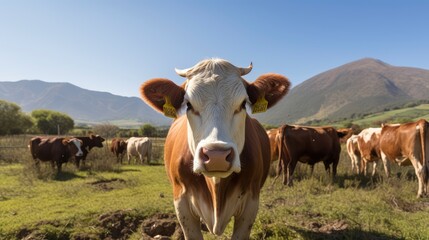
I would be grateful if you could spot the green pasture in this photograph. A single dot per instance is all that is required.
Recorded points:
(69, 205)
(412, 113)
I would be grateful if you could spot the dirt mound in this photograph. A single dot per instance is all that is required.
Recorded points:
(161, 226)
(108, 184)
(328, 228)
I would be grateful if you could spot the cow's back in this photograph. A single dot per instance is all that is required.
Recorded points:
(316, 143)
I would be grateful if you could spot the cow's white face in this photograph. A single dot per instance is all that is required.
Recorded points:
(216, 112)
(78, 144)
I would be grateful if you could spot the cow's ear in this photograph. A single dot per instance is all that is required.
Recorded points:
(267, 90)
(163, 95)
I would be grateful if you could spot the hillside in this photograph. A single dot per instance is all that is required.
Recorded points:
(351, 90)
(81, 104)
(364, 86)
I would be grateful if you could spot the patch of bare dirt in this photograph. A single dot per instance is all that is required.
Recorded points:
(407, 206)
(328, 228)
(119, 224)
(108, 184)
(161, 226)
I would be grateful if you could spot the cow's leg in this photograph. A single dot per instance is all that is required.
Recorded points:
(59, 164)
(243, 223)
(129, 158)
(374, 168)
(364, 167)
(357, 162)
(278, 171)
(385, 164)
(290, 169)
(37, 164)
(418, 168)
(190, 223)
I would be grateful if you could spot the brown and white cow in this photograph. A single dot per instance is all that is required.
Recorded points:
(307, 145)
(140, 147)
(118, 147)
(369, 148)
(88, 143)
(55, 150)
(273, 135)
(354, 153)
(407, 144)
(216, 156)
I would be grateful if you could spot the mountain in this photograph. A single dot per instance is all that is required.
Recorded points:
(360, 87)
(80, 104)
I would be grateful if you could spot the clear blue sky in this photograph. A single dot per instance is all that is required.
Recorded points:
(115, 45)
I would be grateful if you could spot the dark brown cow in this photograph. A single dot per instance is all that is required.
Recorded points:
(56, 150)
(88, 143)
(307, 145)
(407, 144)
(216, 156)
(273, 135)
(118, 147)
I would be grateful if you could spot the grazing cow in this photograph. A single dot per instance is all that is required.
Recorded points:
(216, 157)
(369, 148)
(139, 147)
(118, 147)
(88, 144)
(407, 144)
(307, 145)
(354, 153)
(55, 150)
(273, 135)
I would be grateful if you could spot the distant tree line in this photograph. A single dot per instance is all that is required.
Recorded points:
(41, 121)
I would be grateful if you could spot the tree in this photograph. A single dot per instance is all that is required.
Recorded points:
(106, 130)
(147, 130)
(12, 119)
(52, 122)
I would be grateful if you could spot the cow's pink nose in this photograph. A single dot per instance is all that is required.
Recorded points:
(217, 160)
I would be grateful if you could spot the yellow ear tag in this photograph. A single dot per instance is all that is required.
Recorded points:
(168, 108)
(260, 105)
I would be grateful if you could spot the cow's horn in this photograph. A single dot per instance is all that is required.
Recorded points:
(182, 72)
(244, 71)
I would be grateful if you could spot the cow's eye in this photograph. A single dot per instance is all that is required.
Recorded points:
(243, 105)
(189, 106)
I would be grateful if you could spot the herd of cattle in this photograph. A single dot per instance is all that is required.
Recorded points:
(58, 150)
(404, 144)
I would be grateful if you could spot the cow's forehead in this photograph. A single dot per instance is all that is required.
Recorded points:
(217, 88)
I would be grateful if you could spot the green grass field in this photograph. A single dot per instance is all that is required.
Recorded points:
(74, 204)
(412, 113)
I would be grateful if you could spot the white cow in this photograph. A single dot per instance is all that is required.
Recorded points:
(139, 147)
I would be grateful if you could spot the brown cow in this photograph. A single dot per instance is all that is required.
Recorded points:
(273, 135)
(407, 144)
(216, 156)
(369, 148)
(307, 145)
(56, 150)
(88, 143)
(119, 148)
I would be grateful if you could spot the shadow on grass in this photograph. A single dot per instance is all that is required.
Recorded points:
(343, 234)
(66, 176)
(359, 181)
